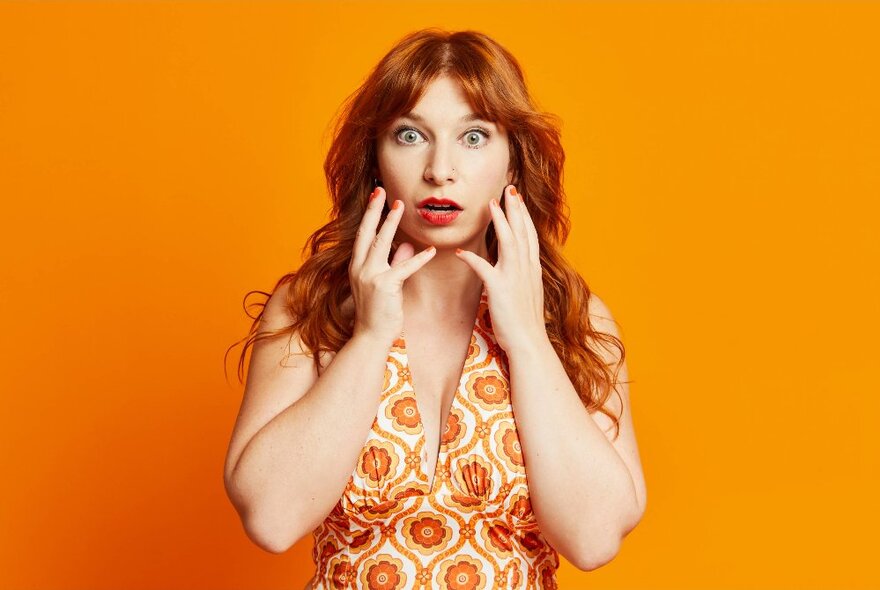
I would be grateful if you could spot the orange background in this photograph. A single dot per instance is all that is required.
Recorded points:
(160, 159)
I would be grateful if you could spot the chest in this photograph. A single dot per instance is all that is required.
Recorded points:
(436, 362)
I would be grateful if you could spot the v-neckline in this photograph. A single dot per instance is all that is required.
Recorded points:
(432, 478)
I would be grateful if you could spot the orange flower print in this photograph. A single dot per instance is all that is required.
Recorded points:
(509, 447)
(463, 503)
(340, 572)
(325, 552)
(455, 431)
(407, 490)
(378, 462)
(485, 318)
(475, 528)
(497, 538)
(403, 413)
(371, 509)
(361, 540)
(441, 472)
(462, 573)
(521, 508)
(473, 476)
(427, 532)
(383, 573)
(531, 543)
(515, 578)
(473, 350)
(548, 579)
(337, 517)
(489, 389)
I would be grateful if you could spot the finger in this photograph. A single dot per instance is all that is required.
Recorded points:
(406, 268)
(534, 242)
(367, 229)
(506, 239)
(514, 208)
(478, 264)
(381, 245)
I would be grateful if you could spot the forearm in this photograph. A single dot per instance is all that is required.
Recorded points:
(294, 470)
(581, 491)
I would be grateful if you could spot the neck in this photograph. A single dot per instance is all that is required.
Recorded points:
(445, 285)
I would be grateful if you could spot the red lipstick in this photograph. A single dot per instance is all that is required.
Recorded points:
(437, 211)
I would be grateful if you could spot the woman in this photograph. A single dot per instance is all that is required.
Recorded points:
(449, 274)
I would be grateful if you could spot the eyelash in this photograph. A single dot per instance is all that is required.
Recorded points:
(408, 128)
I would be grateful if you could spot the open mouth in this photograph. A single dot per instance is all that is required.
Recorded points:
(441, 208)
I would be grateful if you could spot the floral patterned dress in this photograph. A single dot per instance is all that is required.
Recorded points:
(471, 527)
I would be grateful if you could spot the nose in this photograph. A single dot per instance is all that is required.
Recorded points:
(440, 168)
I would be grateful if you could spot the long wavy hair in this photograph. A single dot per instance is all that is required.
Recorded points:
(493, 83)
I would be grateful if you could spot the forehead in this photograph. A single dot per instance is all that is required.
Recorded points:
(466, 118)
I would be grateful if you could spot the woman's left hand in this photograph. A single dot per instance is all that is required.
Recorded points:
(514, 285)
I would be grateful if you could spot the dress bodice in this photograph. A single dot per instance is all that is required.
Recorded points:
(473, 526)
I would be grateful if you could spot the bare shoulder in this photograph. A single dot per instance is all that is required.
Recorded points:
(601, 317)
(602, 320)
(276, 316)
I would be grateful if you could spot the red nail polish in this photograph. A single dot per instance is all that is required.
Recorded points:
(513, 190)
(458, 250)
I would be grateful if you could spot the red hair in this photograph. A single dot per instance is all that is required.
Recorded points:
(493, 83)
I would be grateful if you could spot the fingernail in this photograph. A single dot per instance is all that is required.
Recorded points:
(494, 202)
(513, 190)
(458, 250)
(397, 204)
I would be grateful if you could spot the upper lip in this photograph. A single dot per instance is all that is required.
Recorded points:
(438, 201)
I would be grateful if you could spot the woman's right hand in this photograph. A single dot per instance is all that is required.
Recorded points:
(376, 286)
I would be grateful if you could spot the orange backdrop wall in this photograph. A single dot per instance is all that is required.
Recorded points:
(160, 159)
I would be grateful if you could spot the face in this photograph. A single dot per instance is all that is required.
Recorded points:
(437, 151)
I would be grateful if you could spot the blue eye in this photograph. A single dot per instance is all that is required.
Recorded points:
(412, 133)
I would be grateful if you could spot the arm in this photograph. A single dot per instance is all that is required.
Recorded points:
(297, 437)
(587, 492)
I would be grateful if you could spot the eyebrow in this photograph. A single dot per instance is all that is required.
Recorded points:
(469, 117)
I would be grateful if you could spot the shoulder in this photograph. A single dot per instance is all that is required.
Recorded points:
(276, 312)
(598, 310)
(277, 315)
(602, 320)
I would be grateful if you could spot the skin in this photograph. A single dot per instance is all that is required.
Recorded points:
(416, 164)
